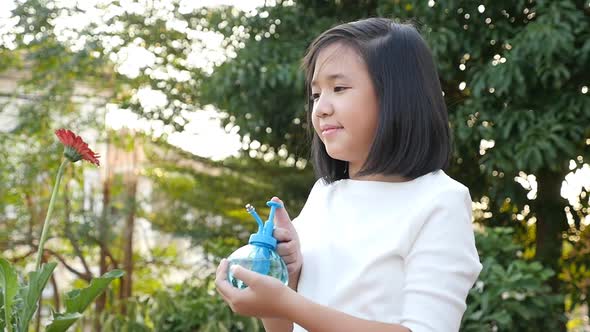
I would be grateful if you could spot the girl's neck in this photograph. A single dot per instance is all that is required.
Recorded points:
(379, 178)
(353, 170)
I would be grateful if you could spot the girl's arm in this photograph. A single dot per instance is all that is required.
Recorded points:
(318, 318)
(277, 325)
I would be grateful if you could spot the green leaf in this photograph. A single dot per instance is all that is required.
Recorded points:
(9, 285)
(78, 300)
(61, 322)
(32, 293)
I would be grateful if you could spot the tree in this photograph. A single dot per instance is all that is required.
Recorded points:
(514, 74)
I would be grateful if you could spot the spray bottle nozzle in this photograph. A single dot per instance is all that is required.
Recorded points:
(264, 235)
(252, 211)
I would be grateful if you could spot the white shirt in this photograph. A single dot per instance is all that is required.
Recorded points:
(391, 252)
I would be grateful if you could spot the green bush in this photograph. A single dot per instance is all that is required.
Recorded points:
(190, 308)
(197, 309)
(181, 308)
(511, 294)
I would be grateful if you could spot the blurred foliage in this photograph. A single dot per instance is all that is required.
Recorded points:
(576, 270)
(512, 72)
(206, 200)
(511, 293)
(184, 307)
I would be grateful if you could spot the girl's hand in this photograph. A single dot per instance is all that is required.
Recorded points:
(288, 246)
(265, 297)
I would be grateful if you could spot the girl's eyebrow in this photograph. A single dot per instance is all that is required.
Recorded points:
(331, 77)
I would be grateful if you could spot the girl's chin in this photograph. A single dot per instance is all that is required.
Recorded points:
(336, 154)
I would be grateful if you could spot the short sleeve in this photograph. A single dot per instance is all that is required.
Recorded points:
(441, 266)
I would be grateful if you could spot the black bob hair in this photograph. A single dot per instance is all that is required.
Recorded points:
(413, 136)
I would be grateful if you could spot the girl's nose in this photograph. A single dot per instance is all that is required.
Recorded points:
(323, 107)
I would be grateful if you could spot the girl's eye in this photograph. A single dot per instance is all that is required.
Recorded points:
(316, 96)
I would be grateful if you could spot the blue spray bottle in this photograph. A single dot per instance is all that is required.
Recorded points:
(260, 254)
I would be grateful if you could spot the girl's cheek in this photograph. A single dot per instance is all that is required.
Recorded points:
(316, 125)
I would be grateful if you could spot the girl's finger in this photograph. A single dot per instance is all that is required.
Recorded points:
(224, 289)
(282, 235)
(221, 282)
(221, 272)
(290, 258)
(286, 248)
(282, 218)
(247, 276)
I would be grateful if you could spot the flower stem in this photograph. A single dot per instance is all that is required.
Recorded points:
(7, 320)
(48, 215)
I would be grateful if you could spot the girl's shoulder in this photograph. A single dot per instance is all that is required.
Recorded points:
(438, 186)
(444, 183)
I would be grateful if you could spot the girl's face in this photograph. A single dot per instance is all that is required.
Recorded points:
(345, 107)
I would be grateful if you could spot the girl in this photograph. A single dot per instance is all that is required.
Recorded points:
(384, 241)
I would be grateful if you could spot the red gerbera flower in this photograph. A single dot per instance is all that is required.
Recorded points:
(76, 148)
